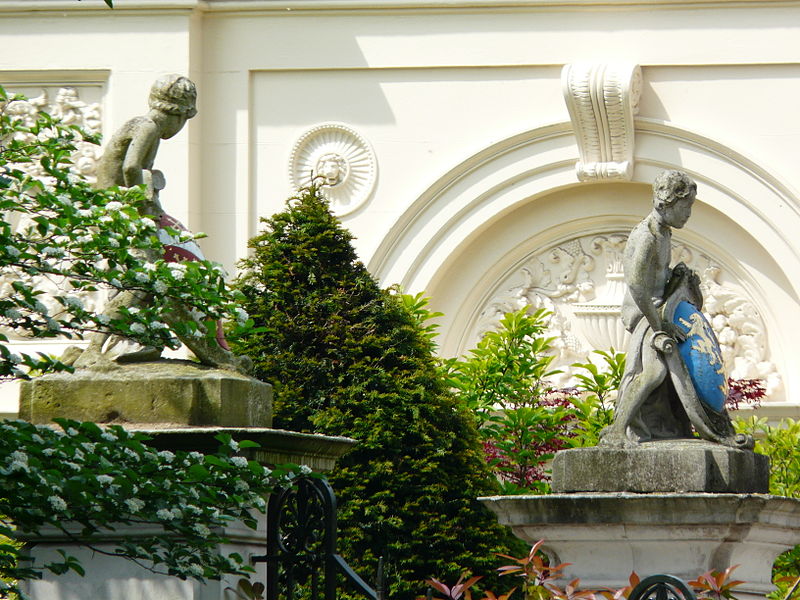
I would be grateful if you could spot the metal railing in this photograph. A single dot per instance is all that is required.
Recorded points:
(301, 558)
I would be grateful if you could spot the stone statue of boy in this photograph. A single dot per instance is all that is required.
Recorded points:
(657, 398)
(128, 161)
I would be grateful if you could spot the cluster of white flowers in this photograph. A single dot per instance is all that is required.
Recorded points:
(131, 454)
(113, 205)
(138, 328)
(239, 461)
(167, 455)
(159, 287)
(134, 505)
(201, 530)
(147, 222)
(12, 251)
(164, 514)
(103, 319)
(109, 436)
(234, 445)
(18, 461)
(57, 502)
(240, 485)
(177, 270)
(305, 469)
(141, 277)
(195, 569)
(241, 315)
(104, 479)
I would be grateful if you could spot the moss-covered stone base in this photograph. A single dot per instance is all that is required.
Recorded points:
(164, 391)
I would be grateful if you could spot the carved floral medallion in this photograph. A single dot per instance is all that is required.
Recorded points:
(339, 160)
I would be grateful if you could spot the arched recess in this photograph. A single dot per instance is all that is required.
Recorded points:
(470, 231)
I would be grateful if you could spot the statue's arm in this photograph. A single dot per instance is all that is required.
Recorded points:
(641, 273)
(140, 149)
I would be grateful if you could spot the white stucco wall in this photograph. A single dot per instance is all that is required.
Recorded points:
(462, 104)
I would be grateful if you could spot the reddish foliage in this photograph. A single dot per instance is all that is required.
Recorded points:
(745, 393)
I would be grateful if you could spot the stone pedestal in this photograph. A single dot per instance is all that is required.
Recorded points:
(181, 406)
(664, 466)
(606, 536)
(165, 391)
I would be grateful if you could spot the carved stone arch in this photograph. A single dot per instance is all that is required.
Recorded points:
(468, 230)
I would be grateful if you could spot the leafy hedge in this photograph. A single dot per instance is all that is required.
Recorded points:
(347, 358)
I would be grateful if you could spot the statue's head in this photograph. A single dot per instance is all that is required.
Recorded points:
(174, 95)
(673, 195)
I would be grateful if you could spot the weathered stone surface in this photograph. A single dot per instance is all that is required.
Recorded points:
(164, 391)
(663, 466)
(319, 452)
(605, 537)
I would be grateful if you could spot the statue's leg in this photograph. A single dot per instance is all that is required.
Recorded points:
(100, 344)
(205, 347)
(636, 388)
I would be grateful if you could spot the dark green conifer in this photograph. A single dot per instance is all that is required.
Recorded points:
(347, 358)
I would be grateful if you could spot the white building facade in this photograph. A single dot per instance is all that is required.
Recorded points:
(491, 153)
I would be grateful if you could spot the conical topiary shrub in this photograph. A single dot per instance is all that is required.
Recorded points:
(347, 358)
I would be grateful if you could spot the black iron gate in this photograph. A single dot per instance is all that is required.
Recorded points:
(301, 546)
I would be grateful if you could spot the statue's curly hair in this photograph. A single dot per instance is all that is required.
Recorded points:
(670, 186)
(174, 95)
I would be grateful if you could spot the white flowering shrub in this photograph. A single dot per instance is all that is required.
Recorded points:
(82, 480)
(60, 234)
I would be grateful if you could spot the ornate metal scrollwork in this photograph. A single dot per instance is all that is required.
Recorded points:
(662, 587)
(301, 546)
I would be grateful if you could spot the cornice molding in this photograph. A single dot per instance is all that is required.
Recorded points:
(287, 7)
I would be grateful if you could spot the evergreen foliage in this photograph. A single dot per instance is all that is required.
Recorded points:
(348, 358)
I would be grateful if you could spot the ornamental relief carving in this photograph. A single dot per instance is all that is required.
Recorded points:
(63, 103)
(582, 283)
(602, 100)
(339, 160)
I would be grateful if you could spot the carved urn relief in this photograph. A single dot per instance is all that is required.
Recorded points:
(580, 281)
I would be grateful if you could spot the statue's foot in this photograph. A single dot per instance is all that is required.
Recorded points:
(146, 354)
(611, 438)
(70, 355)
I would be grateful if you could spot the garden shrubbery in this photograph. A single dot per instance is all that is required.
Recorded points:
(348, 358)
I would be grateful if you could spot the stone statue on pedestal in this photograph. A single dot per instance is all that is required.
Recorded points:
(128, 161)
(674, 381)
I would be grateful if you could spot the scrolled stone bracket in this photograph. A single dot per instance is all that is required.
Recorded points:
(602, 99)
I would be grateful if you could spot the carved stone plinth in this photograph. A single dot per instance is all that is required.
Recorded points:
(679, 466)
(607, 536)
(166, 391)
